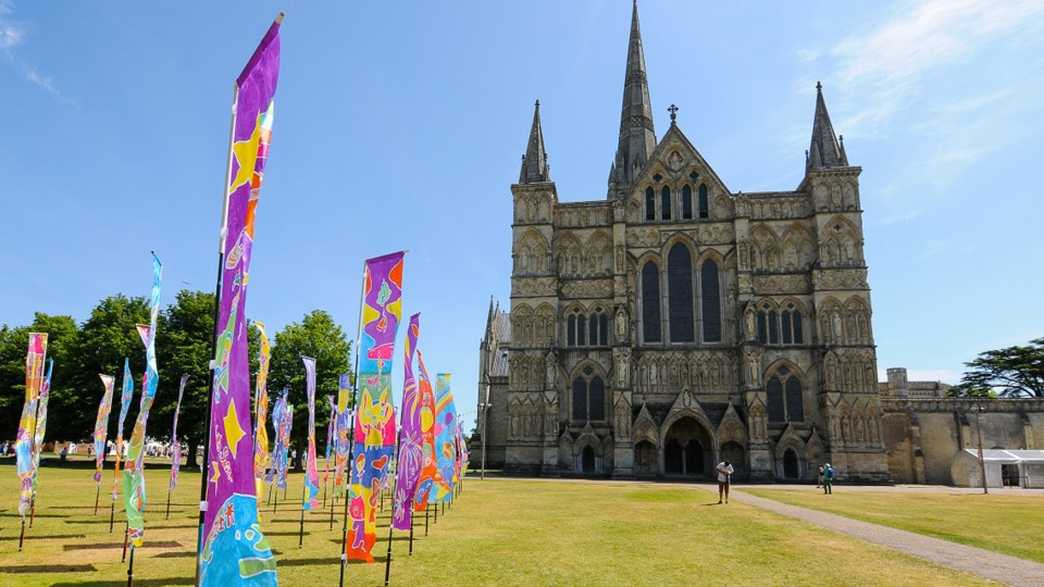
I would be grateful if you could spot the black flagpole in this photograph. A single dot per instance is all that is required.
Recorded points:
(204, 467)
(391, 525)
(300, 532)
(130, 569)
(351, 434)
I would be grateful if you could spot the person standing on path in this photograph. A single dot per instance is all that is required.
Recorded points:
(725, 472)
(819, 477)
(828, 479)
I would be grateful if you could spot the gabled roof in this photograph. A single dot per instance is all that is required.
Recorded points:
(676, 133)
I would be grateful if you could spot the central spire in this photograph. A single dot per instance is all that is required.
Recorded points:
(637, 135)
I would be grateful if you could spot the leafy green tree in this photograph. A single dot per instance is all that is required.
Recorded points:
(1015, 371)
(61, 345)
(319, 337)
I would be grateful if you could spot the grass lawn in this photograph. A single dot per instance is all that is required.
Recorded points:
(500, 532)
(1011, 524)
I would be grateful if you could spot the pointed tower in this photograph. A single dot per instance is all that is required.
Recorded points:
(637, 135)
(534, 162)
(824, 151)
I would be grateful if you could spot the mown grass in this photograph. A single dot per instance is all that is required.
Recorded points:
(1001, 522)
(500, 532)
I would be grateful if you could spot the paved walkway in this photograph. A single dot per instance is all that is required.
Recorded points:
(985, 563)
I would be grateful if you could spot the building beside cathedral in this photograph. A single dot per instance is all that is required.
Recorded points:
(677, 323)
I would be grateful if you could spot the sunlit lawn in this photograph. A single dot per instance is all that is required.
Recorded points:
(500, 532)
(1004, 521)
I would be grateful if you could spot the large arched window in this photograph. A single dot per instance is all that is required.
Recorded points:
(679, 290)
(650, 303)
(588, 397)
(710, 291)
(790, 322)
(665, 203)
(650, 204)
(687, 202)
(785, 401)
(704, 205)
(776, 410)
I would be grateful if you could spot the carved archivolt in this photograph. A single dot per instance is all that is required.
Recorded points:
(531, 254)
(853, 370)
(847, 323)
(525, 417)
(840, 244)
(533, 328)
(527, 372)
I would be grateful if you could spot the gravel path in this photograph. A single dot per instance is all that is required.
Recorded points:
(991, 565)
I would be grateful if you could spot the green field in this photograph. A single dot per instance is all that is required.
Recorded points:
(500, 532)
(1002, 522)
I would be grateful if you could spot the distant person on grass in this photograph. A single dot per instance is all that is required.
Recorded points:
(819, 477)
(725, 472)
(828, 479)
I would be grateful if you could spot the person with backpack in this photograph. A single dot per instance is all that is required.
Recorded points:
(828, 479)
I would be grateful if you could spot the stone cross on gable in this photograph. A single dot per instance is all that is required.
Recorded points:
(673, 111)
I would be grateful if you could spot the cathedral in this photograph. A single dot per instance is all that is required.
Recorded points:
(677, 323)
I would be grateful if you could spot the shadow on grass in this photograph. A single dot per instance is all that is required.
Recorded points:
(17, 515)
(176, 554)
(119, 545)
(137, 582)
(49, 569)
(30, 537)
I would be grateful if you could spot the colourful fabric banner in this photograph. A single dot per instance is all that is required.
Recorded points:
(374, 434)
(175, 444)
(311, 480)
(234, 550)
(411, 456)
(282, 423)
(41, 423)
(331, 438)
(101, 426)
(429, 463)
(134, 472)
(34, 374)
(445, 440)
(126, 395)
(261, 454)
(343, 428)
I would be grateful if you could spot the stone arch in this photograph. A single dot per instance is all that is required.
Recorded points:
(798, 251)
(588, 443)
(570, 317)
(840, 243)
(857, 321)
(831, 321)
(544, 325)
(766, 249)
(599, 253)
(791, 402)
(587, 371)
(569, 254)
(521, 324)
(689, 444)
(790, 441)
(531, 253)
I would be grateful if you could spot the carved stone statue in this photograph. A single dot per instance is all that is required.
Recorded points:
(551, 365)
(753, 368)
(621, 324)
(748, 316)
(623, 367)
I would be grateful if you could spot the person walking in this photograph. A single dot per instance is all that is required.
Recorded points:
(828, 479)
(725, 471)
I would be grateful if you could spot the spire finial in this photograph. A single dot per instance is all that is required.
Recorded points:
(534, 162)
(673, 110)
(819, 87)
(637, 138)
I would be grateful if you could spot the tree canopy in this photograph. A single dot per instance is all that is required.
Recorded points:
(1015, 371)
(100, 343)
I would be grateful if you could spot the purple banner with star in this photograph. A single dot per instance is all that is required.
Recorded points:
(234, 551)
(411, 456)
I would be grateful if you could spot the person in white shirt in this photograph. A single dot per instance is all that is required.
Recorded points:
(725, 472)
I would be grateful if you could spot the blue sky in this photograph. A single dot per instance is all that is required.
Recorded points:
(401, 125)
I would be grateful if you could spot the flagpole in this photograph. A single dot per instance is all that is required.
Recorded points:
(391, 526)
(222, 234)
(351, 431)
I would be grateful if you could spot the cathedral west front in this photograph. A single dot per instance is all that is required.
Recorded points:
(676, 322)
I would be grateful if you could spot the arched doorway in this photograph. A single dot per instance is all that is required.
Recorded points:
(645, 458)
(688, 449)
(733, 453)
(587, 460)
(790, 464)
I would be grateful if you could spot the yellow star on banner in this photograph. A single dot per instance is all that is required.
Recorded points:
(246, 155)
(233, 431)
(216, 470)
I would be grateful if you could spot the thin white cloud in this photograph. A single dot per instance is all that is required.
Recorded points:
(887, 64)
(12, 35)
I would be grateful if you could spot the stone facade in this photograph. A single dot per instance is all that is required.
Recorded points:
(677, 323)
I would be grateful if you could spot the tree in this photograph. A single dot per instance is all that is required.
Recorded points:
(319, 337)
(1015, 371)
(61, 343)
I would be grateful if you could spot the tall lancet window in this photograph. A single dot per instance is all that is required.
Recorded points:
(665, 203)
(686, 202)
(679, 288)
(710, 291)
(704, 204)
(650, 204)
(650, 303)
